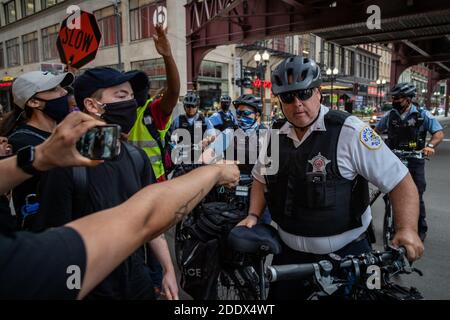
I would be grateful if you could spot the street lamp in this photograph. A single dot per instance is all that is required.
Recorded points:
(380, 88)
(332, 75)
(261, 64)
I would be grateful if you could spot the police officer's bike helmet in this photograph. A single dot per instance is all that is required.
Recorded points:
(191, 99)
(249, 100)
(226, 99)
(305, 74)
(404, 89)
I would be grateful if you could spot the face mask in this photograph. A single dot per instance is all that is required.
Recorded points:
(225, 106)
(398, 106)
(122, 113)
(246, 123)
(57, 109)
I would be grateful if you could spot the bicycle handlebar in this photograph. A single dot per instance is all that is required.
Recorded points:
(325, 267)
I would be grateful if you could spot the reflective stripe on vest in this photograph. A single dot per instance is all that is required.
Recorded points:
(140, 137)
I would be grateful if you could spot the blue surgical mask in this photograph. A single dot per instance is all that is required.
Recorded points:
(246, 123)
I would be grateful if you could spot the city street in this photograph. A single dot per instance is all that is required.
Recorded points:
(434, 264)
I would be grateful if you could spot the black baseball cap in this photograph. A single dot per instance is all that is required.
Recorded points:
(105, 77)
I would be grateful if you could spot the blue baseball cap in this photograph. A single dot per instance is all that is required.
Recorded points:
(105, 77)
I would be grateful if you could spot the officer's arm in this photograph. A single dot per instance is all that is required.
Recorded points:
(381, 125)
(112, 235)
(257, 200)
(257, 205)
(405, 203)
(437, 137)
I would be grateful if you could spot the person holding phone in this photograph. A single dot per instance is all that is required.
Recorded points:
(40, 102)
(107, 95)
(34, 266)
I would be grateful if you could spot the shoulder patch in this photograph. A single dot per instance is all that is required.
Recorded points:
(370, 139)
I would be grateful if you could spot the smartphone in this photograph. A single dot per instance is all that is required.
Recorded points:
(100, 143)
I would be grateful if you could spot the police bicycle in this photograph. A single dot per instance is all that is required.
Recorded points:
(388, 220)
(364, 277)
(209, 269)
(349, 277)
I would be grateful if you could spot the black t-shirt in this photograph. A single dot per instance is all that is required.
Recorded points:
(109, 185)
(23, 136)
(36, 266)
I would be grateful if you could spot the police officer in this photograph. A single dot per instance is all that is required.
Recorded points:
(224, 119)
(192, 121)
(407, 128)
(319, 195)
(248, 111)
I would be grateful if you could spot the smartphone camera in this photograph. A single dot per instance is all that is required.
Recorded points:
(100, 143)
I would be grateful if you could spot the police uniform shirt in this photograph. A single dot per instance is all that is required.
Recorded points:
(216, 119)
(176, 122)
(359, 151)
(430, 123)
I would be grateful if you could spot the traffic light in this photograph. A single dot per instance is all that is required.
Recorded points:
(248, 77)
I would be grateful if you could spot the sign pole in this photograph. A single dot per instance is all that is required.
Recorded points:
(118, 33)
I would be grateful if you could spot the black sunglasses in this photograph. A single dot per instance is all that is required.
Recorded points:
(190, 106)
(303, 95)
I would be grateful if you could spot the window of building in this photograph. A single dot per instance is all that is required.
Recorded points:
(155, 70)
(141, 18)
(49, 3)
(2, 58)
(152, 67)
(49, 37)
(30, 48)
(213, 69)
(10, 12)
(28, 7)
(13, 52)
(106, 19)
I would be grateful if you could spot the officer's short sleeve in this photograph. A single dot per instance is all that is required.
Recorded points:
(265, 165)
(362, 151)
(431, 124)
(49, 265)
(382, 124)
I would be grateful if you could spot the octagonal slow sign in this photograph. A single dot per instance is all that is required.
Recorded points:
(77, 46)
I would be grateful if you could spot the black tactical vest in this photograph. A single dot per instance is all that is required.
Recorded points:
(184, 124)
(246, 150)
(308, 196)
(407, 134)
(227, 122)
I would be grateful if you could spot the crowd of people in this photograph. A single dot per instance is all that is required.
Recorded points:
(109, 216)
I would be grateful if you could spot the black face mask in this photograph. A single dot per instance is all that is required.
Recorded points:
(122, 113)
(225, 106)
(397, 105)
(57, 109)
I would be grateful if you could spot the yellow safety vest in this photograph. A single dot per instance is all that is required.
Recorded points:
(141, 137)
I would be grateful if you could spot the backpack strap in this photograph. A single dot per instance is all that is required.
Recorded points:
(138, 160)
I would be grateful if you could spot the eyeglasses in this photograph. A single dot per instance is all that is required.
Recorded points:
(398, 97)
(244, 113)
(190, 106)
(303, 95)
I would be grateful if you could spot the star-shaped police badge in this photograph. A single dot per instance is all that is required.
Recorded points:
(319, 163)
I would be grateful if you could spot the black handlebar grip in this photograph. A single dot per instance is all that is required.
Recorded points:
(290, 272)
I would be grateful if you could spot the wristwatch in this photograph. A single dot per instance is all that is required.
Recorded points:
(430, 145)
(25, 159)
